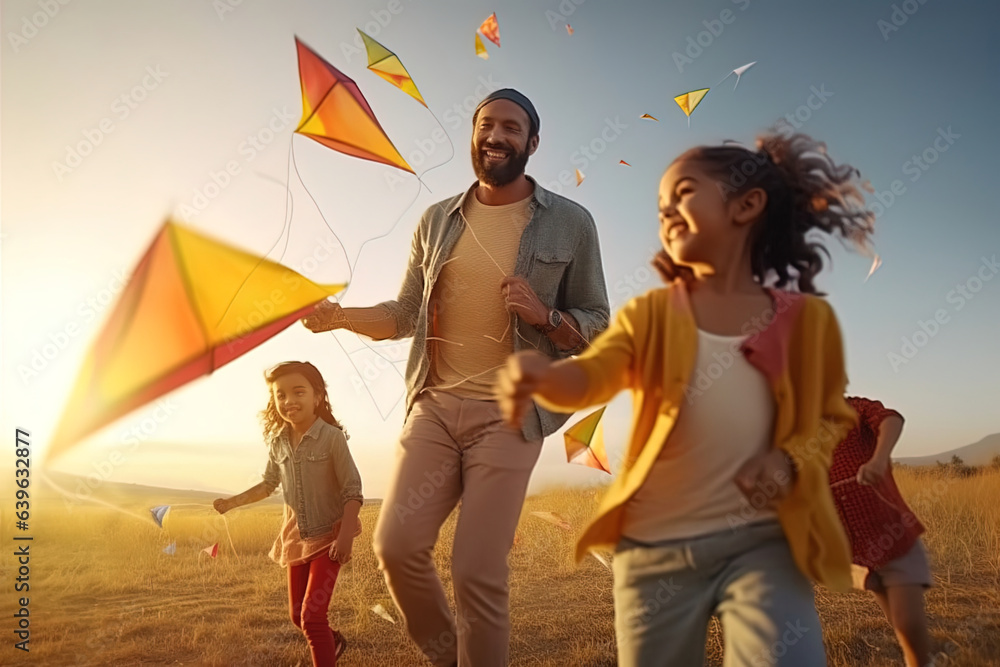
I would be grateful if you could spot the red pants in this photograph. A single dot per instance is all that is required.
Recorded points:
(310, 587)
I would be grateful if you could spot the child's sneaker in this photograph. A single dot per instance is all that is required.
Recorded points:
(340, 643)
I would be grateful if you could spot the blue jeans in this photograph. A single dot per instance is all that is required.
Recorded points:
(666, 593)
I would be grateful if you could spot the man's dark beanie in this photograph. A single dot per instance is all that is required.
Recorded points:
(518, 99)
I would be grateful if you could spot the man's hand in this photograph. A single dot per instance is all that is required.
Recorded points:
(517, 382)
(519, 298)
(327, 317)
(873, 472)
(770, 473)
(342, 547)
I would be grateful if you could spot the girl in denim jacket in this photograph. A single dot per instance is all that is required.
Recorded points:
(309, 458)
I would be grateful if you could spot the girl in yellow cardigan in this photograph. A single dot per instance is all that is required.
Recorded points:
(721, 506)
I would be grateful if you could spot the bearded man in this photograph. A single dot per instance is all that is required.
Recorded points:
(504, 266)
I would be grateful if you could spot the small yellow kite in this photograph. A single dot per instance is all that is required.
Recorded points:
(689, 101)
(585, 443)
(386, 64)
(579, 177)
(481, 49)
(648, 117)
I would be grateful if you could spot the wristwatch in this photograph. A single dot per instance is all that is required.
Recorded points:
(555, 319)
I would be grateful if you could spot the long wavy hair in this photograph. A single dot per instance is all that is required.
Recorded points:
(807, 192)
(271, 421)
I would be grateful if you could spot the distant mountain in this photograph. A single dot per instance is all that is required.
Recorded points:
(976, 454)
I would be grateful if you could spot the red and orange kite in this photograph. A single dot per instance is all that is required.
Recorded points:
(337, 115)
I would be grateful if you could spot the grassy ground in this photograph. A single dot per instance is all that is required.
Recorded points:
(104, 593)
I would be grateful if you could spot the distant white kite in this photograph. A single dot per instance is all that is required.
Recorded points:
(158, 513)
(738, 72)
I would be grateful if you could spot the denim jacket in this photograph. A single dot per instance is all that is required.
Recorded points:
(317, 478)
(559, 256)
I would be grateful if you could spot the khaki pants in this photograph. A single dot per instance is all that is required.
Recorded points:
(455, 449)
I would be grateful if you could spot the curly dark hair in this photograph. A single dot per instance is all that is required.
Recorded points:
(270, 419)
(806, 192)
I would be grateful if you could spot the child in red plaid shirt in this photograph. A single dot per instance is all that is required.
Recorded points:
(889, 557)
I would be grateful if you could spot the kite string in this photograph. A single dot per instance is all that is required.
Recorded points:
(286, 224)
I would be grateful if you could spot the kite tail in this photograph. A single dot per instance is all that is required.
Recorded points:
(285, 225)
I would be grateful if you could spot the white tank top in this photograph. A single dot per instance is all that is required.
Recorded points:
(726, 417)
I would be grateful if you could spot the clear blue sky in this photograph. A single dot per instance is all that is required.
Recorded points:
(208, 79)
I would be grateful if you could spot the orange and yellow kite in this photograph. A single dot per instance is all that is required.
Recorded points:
(690, 100)
(481, 49)
(387, 65)
(193, 304)
(585, 443)
(491, 29)
(337, 115)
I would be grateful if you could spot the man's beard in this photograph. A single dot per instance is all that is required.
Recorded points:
(501, 174)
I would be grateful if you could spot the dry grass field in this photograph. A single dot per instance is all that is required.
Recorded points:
(104, 593)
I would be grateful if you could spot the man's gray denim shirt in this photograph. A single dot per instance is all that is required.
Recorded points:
(559, 256)
(317, 478)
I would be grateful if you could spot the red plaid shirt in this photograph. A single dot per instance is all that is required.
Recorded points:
(878, 522)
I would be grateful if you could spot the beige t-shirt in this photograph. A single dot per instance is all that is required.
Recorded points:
(472, 331)
(727, 417)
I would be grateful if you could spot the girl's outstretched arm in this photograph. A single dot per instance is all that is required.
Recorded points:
(532, 373)
(251, 495)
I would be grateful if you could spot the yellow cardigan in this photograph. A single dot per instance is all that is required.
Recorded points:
(650, 348)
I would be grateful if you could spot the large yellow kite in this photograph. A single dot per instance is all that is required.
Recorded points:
(193, 304)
